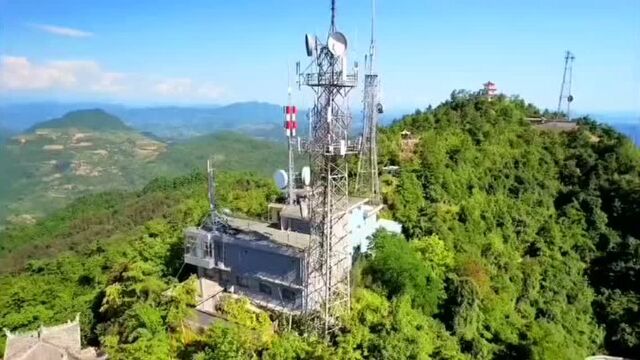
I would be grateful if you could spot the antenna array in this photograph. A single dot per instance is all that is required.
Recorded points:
(367, 181)
(565, 88)
(328, 256)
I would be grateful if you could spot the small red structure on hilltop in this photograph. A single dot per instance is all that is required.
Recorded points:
(490, 89)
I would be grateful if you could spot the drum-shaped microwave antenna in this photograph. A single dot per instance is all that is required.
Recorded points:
(281, 178)
(305, 174)
(311, 43)
(337, 43)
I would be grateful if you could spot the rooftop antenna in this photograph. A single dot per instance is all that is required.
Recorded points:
(565, 88)
(367, 181)
(333, 17)
(212, 191)
(218, 220)
(327, 283)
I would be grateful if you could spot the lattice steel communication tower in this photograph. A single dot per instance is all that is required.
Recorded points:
(367, 181)
(327, 285)
(565, 88)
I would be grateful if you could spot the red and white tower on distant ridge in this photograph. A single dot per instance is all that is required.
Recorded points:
(490, 89)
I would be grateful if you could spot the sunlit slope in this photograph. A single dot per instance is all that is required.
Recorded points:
(229, 151)
(70, 157)
(90, 151)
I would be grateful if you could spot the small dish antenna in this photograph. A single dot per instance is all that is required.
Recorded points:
(337, 43)
(305, 174)
(281, 178)
(311, 43)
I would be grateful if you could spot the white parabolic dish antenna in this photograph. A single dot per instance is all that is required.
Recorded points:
(337, 43)
(281, 178)
(306, 175)
(310, 42)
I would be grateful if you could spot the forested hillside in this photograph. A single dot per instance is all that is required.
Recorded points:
(541, 225)
(89, 151)
(518, 244)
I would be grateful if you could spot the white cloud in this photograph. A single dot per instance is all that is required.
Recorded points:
(62, 31)
(185, 87)
(210, 91)
(86, 77)
(17, 73)
(168, 87)
(110, 82)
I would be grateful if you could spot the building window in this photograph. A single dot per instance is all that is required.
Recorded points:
(208, 250)
(264, 288)
(288, 295)
(242, 281)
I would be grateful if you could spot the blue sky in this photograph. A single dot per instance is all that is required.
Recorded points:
(179, 52)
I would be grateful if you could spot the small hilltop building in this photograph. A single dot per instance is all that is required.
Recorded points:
(490, 90)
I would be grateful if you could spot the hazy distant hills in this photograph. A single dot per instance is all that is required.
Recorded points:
(92, 119)
(257, 119)
(60, 159)
(252, 118)
(4, 134)
(89, 151)
(629, 129)
(626, 122)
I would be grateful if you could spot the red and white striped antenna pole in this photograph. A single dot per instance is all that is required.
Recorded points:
(290, 126)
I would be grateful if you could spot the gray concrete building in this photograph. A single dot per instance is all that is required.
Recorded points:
(268, 261)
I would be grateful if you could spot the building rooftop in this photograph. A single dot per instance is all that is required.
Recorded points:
(557, 125)
(261, 231)
(54, 342)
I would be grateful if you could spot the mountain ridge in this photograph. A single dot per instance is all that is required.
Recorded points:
(254, 118)
(90, 119)
(91, 150)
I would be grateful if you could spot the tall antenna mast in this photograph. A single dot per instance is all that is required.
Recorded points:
(333, 16)
(372, 45)
(328, 264)
(212, 191)
(290, 125)
(565, 88)
(367, 181)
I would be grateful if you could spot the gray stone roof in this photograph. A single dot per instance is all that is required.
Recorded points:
(59, 342)
(256, 230)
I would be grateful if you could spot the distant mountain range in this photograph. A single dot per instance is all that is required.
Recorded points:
(4, 134)
(89, 151)
(630, 129)
(90, 119)
(256, 119)
(626, 122)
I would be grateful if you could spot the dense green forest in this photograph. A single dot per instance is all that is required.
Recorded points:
(518, 243)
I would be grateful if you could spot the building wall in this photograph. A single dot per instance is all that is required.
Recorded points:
(268, 277)
(261, 263)
(362, 227)
(295, 225)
